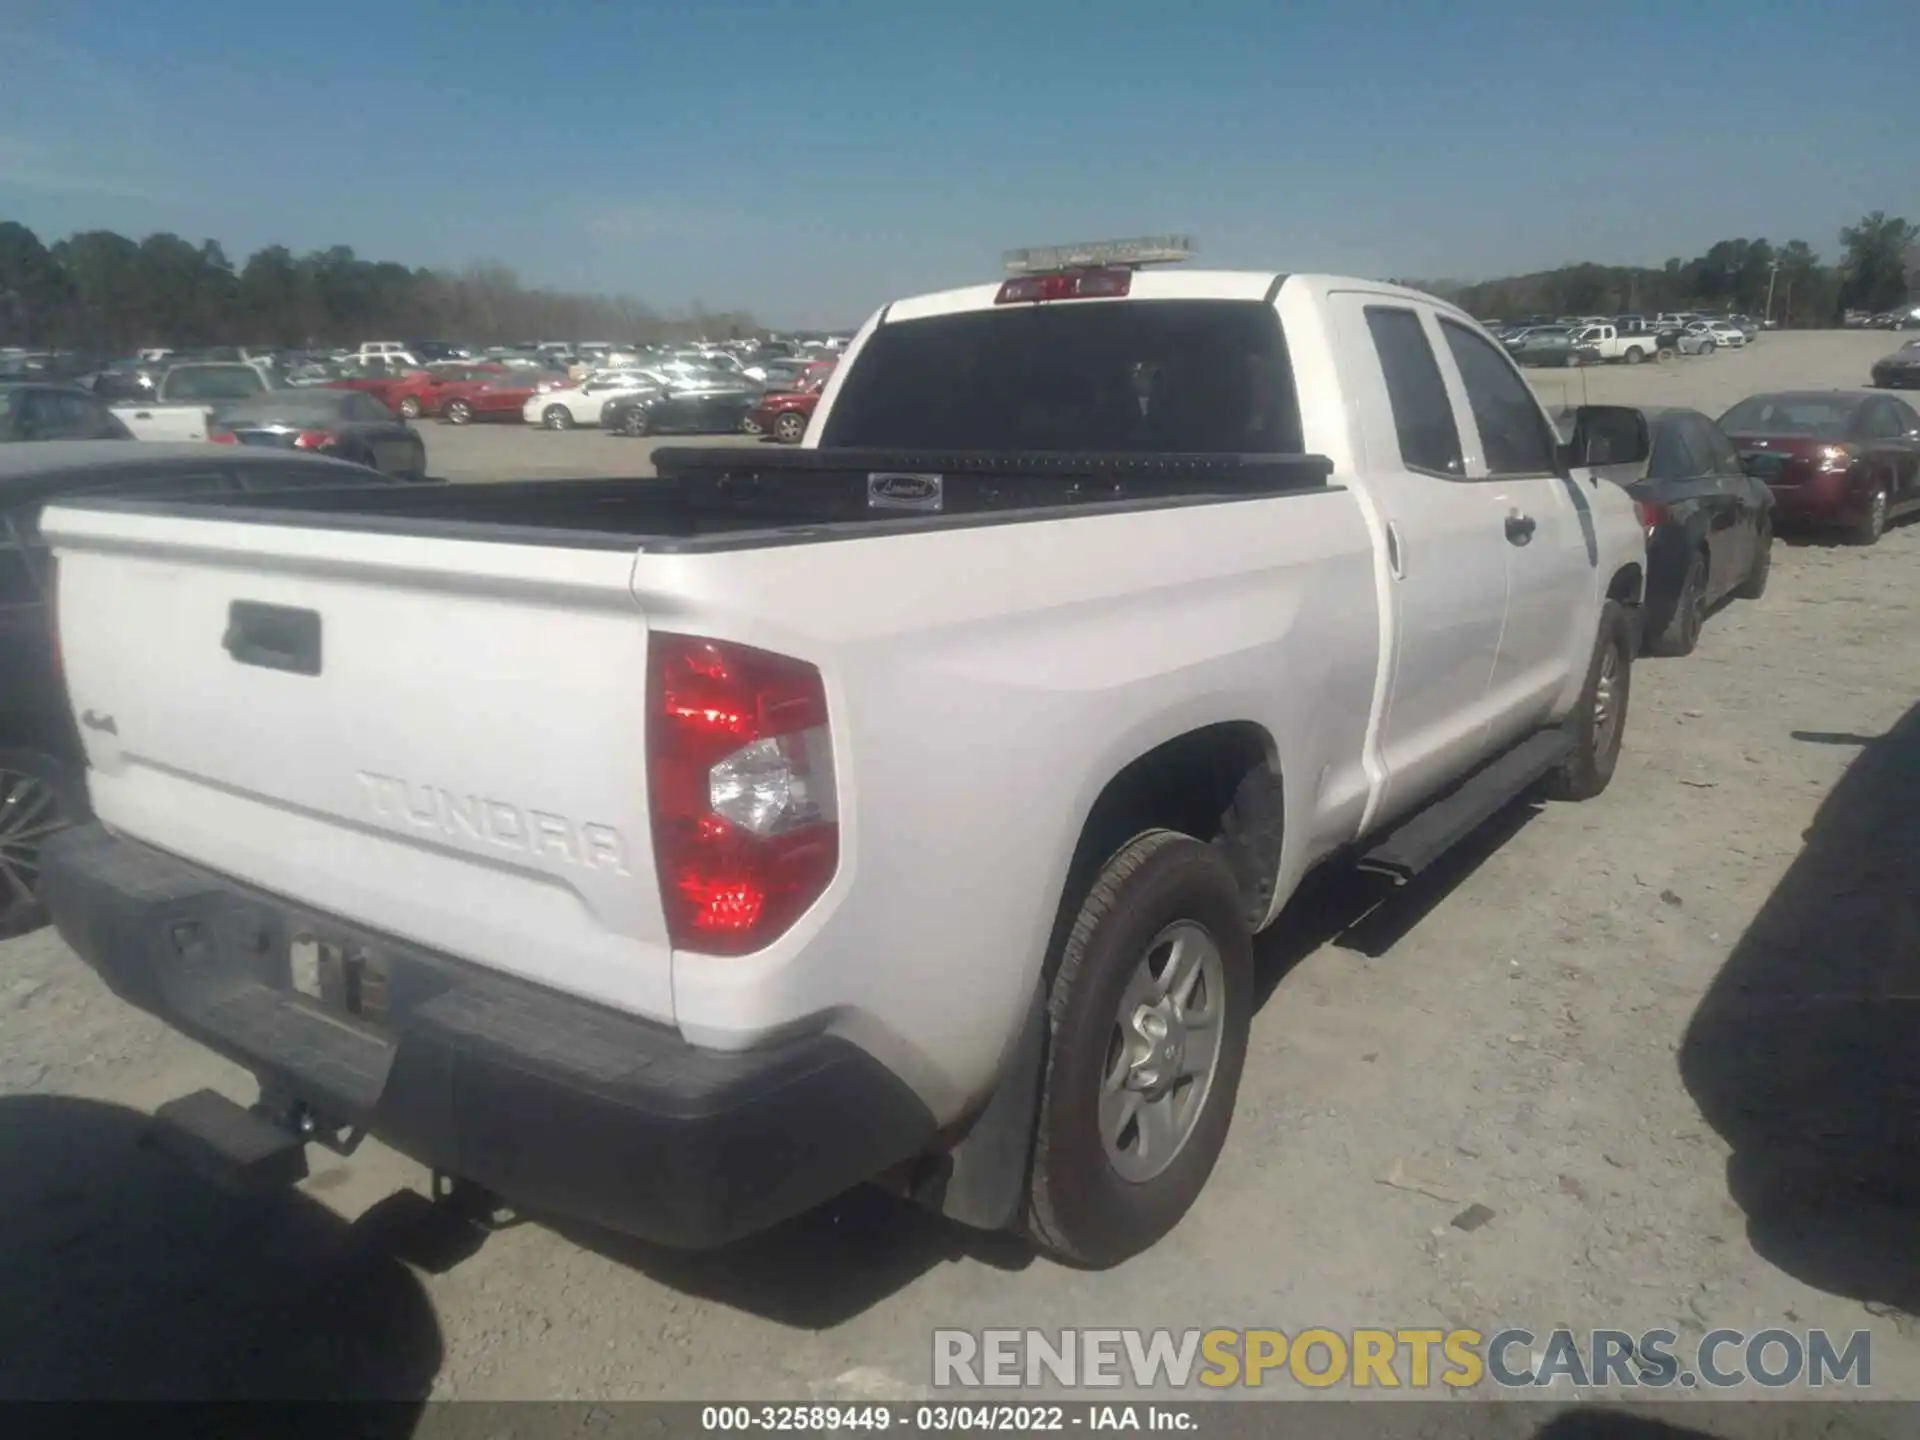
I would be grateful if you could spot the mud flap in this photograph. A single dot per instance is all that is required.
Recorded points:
(982, 1181)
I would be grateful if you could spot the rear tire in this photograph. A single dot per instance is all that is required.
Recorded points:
(557, 417)
(38, 796)
(1874, 525)
(410, 407)
(1635, 355)
(636, 424)
(1599, 722)
(1682, 631)
(1755, 585)
(790, 428)
(458, 412)
(1165, 898)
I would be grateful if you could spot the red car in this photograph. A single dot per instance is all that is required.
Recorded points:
(1834, 459)
(373, 378)
(462, 402)
(783, 414)
(421, 392)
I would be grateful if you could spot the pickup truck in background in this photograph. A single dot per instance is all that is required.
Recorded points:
(1615, 344)
(675, 854)
(187, 400)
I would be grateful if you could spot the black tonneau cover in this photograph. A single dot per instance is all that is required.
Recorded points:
(738, 497)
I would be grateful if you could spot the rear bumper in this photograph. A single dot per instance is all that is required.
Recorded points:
(560, 1106)
(1826, 499)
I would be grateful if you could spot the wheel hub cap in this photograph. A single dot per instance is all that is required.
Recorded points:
(1163, 1052)
(29, 812)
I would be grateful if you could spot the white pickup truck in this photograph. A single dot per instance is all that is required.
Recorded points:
(676, 854)
(188, 399)
(1629, 346)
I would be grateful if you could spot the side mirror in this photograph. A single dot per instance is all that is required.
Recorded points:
(1608, 435)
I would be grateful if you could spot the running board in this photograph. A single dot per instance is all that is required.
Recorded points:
(1419, 841)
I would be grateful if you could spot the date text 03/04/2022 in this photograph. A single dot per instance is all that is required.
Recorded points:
(942, 1417)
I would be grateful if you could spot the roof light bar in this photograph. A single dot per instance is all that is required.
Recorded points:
(1091, 254)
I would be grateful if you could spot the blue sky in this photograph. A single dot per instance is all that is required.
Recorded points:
(810, 160)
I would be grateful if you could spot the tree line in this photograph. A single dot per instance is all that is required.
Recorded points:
(102, 291)
(1876, 269)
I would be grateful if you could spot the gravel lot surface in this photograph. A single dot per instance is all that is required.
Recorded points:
(1665, 1037)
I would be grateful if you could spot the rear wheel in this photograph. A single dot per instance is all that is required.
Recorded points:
(789, 428)
(1150, 1011)
(459, 412)
(1599, 722)
(1682, 631)
(636, 423)
(1635, 355)
(410, 406)
(1874, 523)
(1571, 360)
(38, 796)
(557, 417)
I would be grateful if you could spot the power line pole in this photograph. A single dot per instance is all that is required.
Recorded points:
(1773, 274)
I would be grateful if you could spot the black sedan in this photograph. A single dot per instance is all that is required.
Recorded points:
(1900, 370)
(55, 412)
(1709, 526)
(1550, 345)
(344, 424)
(684, 410)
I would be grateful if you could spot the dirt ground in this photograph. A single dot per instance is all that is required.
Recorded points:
(1663, 1036)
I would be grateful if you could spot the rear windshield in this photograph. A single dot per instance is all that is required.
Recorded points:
(1159, 376)
(1788, 415)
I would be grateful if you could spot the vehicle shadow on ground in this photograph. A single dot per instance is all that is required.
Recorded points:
(1805, 1052)
(124, 1276)
(1369, 914)
(1601, 1423)
(820, 1269)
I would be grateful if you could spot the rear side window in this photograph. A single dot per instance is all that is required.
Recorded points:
(1422, 413)
(1155, 376)
(1513, 432)
(1718, 452)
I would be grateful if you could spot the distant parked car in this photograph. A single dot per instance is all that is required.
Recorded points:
(1551, 345)
(33, 411)
(1709, 525)
(1900, 370)
(421, 393)
(1721, 333)
(497, 397)
(711, 409)
(582, 402)
(1834, 459)
(341, 424)
(783, 414)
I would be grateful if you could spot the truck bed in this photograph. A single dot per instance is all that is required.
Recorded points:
(707, 499)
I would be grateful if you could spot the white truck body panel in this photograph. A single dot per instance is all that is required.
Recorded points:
(984, 685)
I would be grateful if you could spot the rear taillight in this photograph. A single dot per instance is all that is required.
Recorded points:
(313, 440)
(1070, 285)
(746, 832)
(223, 437)
(1652, 515)
(1835, 457)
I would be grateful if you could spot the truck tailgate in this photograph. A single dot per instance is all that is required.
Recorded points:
(443, 740)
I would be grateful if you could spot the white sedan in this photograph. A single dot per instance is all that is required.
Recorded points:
(1731, 337)
(579, 403)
